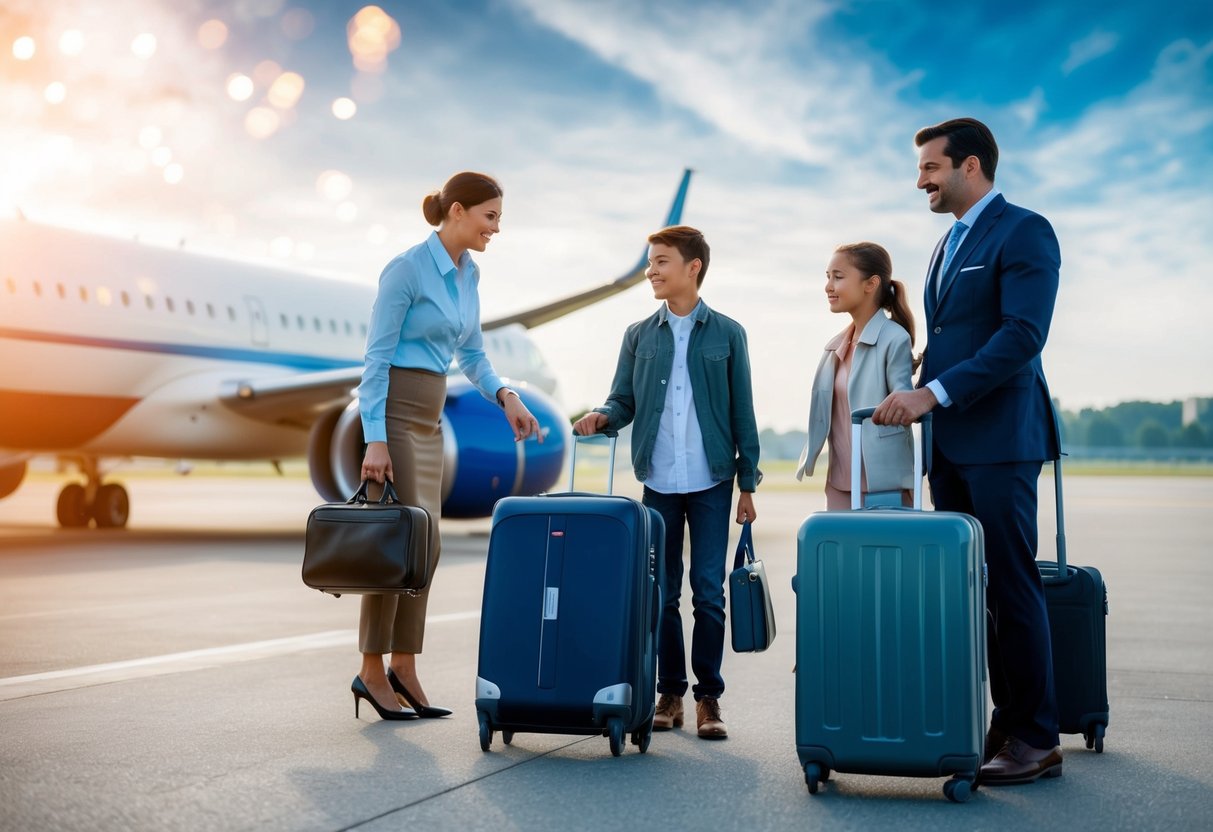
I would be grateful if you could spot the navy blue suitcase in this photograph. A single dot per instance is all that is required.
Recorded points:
(1077, 601)
(568, 624)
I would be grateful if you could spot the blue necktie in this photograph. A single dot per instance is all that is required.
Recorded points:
(949, 251)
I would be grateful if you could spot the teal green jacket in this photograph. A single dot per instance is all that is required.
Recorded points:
(718, 362)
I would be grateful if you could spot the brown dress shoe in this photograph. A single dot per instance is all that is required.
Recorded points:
(707, 717)
(996, 738)
(1019, 762)
(669, 712)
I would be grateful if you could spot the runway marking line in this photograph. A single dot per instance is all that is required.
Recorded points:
(192, 659)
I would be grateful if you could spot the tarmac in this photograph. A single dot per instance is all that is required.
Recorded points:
(178, 675)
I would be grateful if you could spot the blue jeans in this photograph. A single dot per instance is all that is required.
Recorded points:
(708, 514)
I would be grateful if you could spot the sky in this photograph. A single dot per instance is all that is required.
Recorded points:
(228, 124)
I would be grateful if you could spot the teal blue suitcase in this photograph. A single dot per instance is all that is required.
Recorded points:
(890, 643)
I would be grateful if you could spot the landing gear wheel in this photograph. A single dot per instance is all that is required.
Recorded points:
(72, 508)
(615, 732)
(486, 733)
(112, 506)
(813, 775)
(507, 737)
(958, 790)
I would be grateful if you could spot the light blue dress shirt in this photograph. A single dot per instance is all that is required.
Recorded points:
(680, 463)
(968, 219)
(427, 312)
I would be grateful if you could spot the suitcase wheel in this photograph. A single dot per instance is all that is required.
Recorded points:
(507, 737)
(959, 789)
(815, 773)
(1094, 737)
(641, 737)
(615, 732)
(486, 733)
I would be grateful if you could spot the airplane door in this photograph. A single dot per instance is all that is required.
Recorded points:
(260, 331)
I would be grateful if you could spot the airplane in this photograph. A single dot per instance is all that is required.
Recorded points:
(115, 349)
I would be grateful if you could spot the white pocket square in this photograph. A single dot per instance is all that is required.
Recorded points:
(971, 268)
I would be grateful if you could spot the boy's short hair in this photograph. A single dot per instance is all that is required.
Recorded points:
(689, 242)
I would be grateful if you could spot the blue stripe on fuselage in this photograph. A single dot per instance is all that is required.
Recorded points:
(282, 359)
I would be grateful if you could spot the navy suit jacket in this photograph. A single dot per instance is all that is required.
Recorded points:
(985, 332)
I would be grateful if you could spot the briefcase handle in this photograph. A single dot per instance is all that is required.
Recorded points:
(745, 547)
(386, 498)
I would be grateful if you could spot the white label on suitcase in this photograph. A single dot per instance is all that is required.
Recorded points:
(551, 600)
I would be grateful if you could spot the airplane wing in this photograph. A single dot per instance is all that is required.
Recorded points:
(301, 399)
(559, 308)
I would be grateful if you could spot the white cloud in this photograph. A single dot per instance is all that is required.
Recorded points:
(1095, 45)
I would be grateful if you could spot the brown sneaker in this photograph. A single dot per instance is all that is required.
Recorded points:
(707, 717)
(669, 712)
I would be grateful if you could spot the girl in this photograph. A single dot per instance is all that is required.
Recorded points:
(861, 365)
(427, 311)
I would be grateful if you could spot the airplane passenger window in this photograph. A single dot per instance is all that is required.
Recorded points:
(210, 310)
(37, 289)
(151, 304)
(126, 298)
(316, 323)
(62, 291)
(332, 326)
(349, 330)
(231, 313)
(168, 304)
(362, 329)
(12, 286)
(84, 294)
(189, 306)
(286, 322)
(299, 320)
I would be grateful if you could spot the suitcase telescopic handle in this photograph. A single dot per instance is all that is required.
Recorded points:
(858, 417)
(1063, 572)
(613, 436)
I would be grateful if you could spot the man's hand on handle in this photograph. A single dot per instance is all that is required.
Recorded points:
(904, 408)
(745, 507)
(590, 424)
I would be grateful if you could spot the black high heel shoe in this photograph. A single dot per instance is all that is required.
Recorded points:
(423, 711)
(358, 687)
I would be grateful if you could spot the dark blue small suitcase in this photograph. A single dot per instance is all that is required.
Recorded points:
(568, 624)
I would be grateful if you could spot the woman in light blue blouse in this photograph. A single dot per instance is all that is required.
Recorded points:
(427, 312)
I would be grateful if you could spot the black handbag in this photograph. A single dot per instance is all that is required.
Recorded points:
(362, 547)
(750, 612)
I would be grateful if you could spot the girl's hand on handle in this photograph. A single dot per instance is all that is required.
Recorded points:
(377, 463)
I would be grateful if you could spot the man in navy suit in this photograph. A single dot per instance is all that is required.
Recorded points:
(989, 300)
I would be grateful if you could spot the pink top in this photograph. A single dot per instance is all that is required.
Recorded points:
(839, 474)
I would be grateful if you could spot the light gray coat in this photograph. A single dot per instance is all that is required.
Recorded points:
(881, 365)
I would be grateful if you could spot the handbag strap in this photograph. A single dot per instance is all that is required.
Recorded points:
(745, 546)
(386, 498)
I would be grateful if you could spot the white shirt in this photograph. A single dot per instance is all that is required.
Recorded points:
(680, 463)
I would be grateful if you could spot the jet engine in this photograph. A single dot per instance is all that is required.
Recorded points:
(481, 461)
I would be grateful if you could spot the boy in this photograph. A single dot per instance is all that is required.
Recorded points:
(684, 377)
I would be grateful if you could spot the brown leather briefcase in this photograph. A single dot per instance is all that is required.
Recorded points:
(361, 547)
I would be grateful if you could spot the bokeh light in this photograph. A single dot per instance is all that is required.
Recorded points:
(334, 185)
(144, 46)
(344, 108)
(174, 173)
(161, 156)
(212, 34)
(239, 87)
(347, 212)
(55, 92)
(71, 42)
(372, 34)
(266, 72)
(377, 234)
(24, 48)
(285, 90)
(261, 122)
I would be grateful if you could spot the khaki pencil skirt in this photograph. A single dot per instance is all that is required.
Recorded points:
(396, 623)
